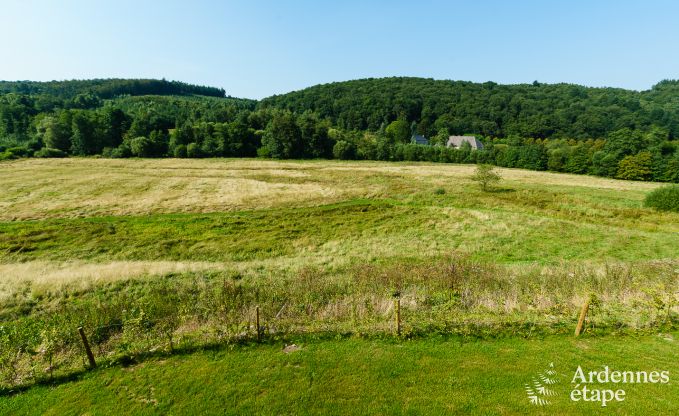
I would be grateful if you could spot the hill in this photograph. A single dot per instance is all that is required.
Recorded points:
(488, 109)
(107, 88)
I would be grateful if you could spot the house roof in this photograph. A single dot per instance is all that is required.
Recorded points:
(417, 139)
(457, 141)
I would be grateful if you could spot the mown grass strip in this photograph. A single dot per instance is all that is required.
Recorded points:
(356, 376)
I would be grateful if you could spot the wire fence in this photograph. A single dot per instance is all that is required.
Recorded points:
(69, 349)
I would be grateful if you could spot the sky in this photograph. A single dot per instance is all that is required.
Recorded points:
(255, 48)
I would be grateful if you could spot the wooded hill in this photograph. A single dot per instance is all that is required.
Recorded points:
(488, 109)
(559, 127)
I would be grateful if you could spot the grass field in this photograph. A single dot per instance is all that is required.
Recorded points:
(158, 255)
(430, 376)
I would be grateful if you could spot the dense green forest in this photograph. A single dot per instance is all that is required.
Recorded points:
(558, 127)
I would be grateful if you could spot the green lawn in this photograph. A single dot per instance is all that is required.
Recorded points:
(358, 376)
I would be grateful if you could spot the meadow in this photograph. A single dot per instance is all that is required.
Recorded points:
(170, 256)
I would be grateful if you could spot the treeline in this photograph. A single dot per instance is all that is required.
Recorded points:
(659, 161)
(366, 119)
(108, 88)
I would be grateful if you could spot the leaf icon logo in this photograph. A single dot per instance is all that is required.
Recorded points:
(538, 390)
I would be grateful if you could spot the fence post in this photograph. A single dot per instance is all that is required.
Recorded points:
(90, 356)
(259, 332)
(581, 320)
(397, 307)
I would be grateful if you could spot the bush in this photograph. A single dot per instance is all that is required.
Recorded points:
(7, 155)
(664, 199)
(263, 152)
(121, 152)
(344, 150)
(142, 147)
(180, 151)
(193, 150)
(20, 151)
(486, 176)
(49, 152)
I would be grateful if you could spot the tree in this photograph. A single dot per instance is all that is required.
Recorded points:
(486, 176)
(441, 138)
(398, 131)
(624, 142)
(604, 164)
(636, 168)
(115, 123)
(56, 132)
(282, 137)
(579, 160)
(557, 160)
(85, 139)
(315, 136)
(142, 146)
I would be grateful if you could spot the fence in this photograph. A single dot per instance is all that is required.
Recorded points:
(139, 335)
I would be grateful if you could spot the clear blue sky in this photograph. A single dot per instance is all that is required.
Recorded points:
(259, 48)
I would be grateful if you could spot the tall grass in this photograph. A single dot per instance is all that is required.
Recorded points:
(454, 295)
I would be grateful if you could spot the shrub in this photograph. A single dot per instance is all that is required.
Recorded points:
(180, 151)
(20, 151)
(344, 150)
(49, 152)
(664, 199)
(7, 155)
(485, 176)
(142, 146)
(122, 151)
(263, 152)
(193, 150)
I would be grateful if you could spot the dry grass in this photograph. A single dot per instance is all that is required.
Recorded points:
(545, 218)
(40, 277)
(35, 189)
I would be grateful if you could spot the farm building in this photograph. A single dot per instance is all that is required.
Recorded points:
(458, 141)
(417, 139)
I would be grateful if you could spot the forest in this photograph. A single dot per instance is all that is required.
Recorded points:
(608, 132)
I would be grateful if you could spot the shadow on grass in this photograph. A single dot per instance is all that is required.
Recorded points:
(127, 360)
(526, 331)
(500, 190)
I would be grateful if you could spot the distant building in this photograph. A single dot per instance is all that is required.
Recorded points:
(458, 141)
(417, 139)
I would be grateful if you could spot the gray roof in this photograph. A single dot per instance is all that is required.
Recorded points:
(457, 141)
(417, 139)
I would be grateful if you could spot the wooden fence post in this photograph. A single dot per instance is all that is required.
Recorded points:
(259, 332)
(581, 320)
(397, 307)
(90, 356)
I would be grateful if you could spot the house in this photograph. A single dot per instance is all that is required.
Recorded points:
(417, 139)
(458, 141)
